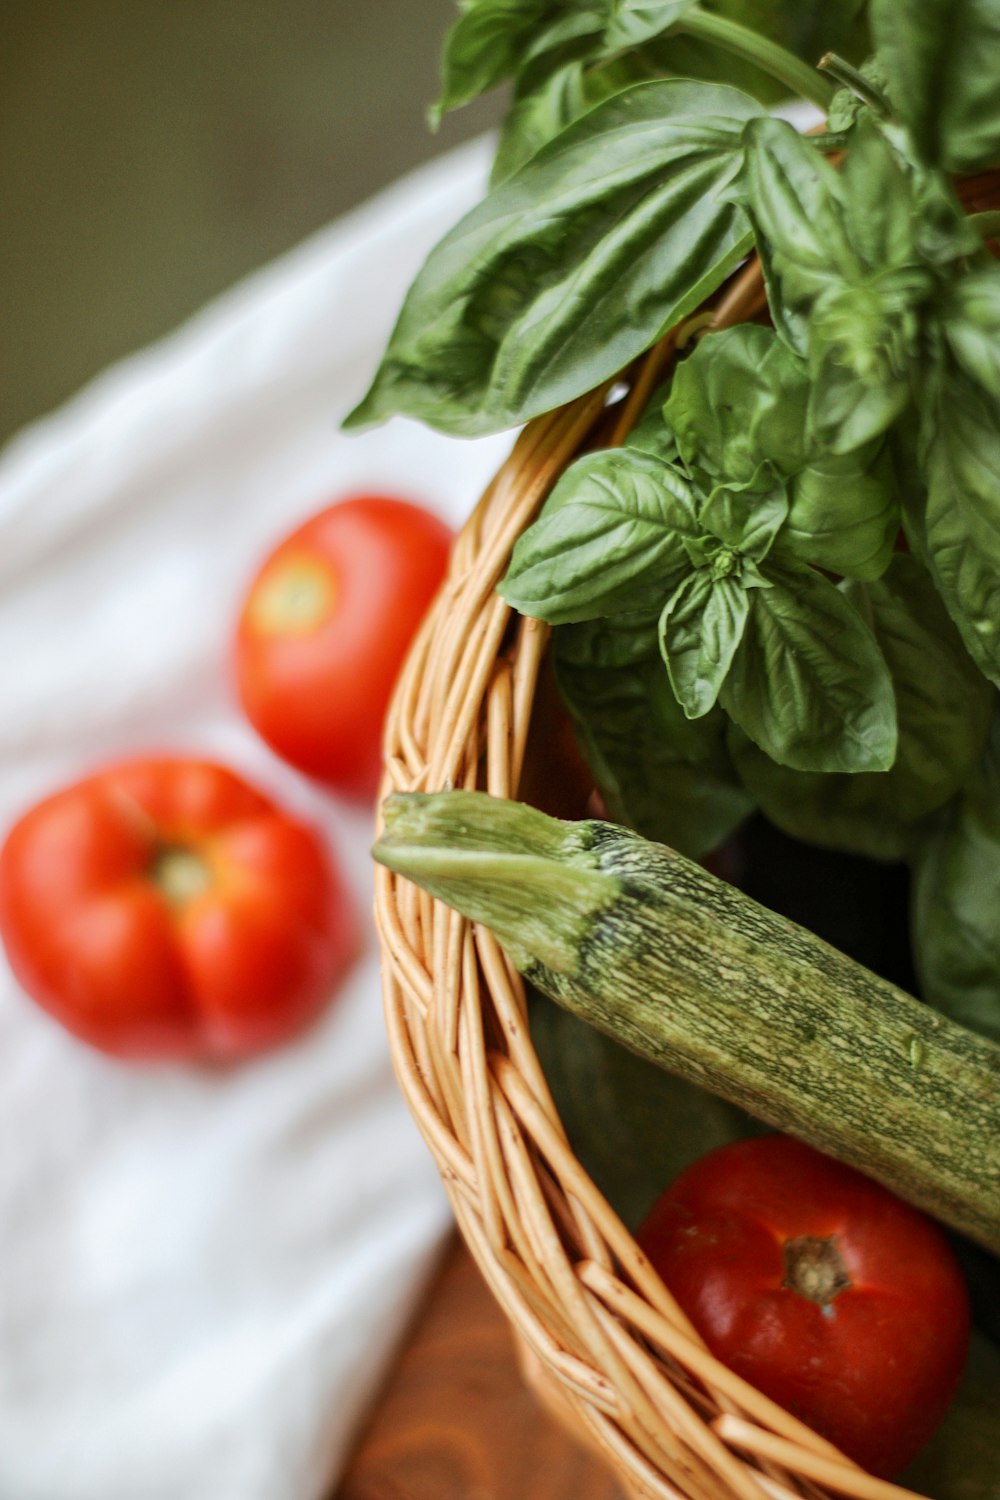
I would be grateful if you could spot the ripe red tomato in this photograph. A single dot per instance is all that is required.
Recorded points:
(821, 1288)
(324, 629)
(164, 908)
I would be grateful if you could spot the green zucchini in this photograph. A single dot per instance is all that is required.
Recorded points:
(633, 1128)
(694, 975)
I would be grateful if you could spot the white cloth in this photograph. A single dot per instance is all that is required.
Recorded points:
(203, 1274)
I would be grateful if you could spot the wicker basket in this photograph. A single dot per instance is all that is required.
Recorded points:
(602, 1342)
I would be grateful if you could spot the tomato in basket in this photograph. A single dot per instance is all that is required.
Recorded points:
(821, 1288)
(325, 627)
(164, 908)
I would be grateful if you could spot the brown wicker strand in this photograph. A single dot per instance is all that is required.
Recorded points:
(691, 1353)
(701, 1440)
(841, 1476)
(518, 1294)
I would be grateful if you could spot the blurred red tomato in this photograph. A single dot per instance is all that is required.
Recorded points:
(324, 630)
(164, 908)
(821, 1288)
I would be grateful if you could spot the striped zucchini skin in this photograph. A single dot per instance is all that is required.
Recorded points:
(699, 978)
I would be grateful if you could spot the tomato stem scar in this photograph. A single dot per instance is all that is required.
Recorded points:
(814, 1268)
(180, 874)
(293, 598)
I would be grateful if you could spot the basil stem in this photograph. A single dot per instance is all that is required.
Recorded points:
(750, 45)
(844, 73)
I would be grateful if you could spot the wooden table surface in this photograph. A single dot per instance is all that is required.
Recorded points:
(455, 1421)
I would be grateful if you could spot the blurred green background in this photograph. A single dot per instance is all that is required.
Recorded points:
(154, 151)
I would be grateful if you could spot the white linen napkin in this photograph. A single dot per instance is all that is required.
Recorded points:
(203, 1273)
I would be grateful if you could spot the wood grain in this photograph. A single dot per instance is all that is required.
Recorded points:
(455, 1420)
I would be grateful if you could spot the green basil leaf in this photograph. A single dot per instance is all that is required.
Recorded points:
(609, 540)
(572, 31)
(609, 27)
(740, 399)
(943, 708)
(971, 322)
(845, 271)
(550, 96)
(497, 39)
(941, 60)
(660, 773)
(547, 109)
(700, 629)
(484, 46)
(794, 202)
(846, 413)
(875, 187)
(746, 521)
(537, 117)
(573, 266)
(956, 934)
(633, 22)
(844, 514)
(600, 646)
(809, 684)
(943, 703)
(961, 526)
(830, 810)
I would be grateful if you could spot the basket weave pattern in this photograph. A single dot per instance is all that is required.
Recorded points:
(602, 1342)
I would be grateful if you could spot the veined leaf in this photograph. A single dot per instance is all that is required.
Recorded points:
(600, 29)
(570, 27)
(593, 52)
(495, 39)
(809, 684)
(961, 526)
(700, 629)
(633, 22)
(943, 707)
(846, 278)
(845, 412)
(971, 320)
(484, 46)
(876, 191)
(795, 203)
(941, 60)
(660, 773)
(943, 703)
(748, 520)
(956, 934)
(844, 514)
(547, 109)
(740, 399)
(609, 540)
(605, 645)
(574, 265)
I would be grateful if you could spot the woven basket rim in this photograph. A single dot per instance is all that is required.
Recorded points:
(602, 1341)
